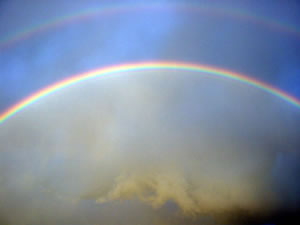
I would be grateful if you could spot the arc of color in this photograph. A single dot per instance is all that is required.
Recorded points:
(117, 8)
(145, 66)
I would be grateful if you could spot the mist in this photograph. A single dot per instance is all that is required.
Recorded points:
(156, 146)
(139, 141)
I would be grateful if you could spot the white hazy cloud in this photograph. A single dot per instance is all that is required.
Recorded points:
(148, 143)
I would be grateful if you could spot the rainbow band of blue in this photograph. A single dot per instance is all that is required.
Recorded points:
(5, 41)
(75, 79)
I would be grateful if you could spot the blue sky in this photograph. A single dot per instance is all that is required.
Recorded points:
(223, 41)
(172, 32)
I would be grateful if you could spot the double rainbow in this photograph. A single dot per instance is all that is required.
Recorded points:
(75, 79)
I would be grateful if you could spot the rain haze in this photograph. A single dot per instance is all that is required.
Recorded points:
(150, 144)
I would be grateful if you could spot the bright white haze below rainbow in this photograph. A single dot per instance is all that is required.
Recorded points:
(155, 146)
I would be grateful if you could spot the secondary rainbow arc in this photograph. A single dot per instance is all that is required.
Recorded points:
(89, 13)
(213, 71)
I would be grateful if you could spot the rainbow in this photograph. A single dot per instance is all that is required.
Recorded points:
(90, 13)
(75, 79)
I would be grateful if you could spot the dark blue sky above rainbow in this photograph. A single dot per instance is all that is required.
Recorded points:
(43, 42)
(257, 39)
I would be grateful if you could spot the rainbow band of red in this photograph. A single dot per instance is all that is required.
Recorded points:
(145, 66)
(89, 13)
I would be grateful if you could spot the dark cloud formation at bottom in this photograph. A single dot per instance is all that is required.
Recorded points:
(152, 147)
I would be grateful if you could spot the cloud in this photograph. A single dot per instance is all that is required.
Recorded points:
(143, 143)
(155, 189)
(148, 147)
(112, 140)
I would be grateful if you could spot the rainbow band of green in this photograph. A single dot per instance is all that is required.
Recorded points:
(145, 66)
(89, 13)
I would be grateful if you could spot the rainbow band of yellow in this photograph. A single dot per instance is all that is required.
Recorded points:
(145, 66)
(90, 13)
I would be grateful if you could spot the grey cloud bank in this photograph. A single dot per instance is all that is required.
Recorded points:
(156, 147)
(84, 153)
